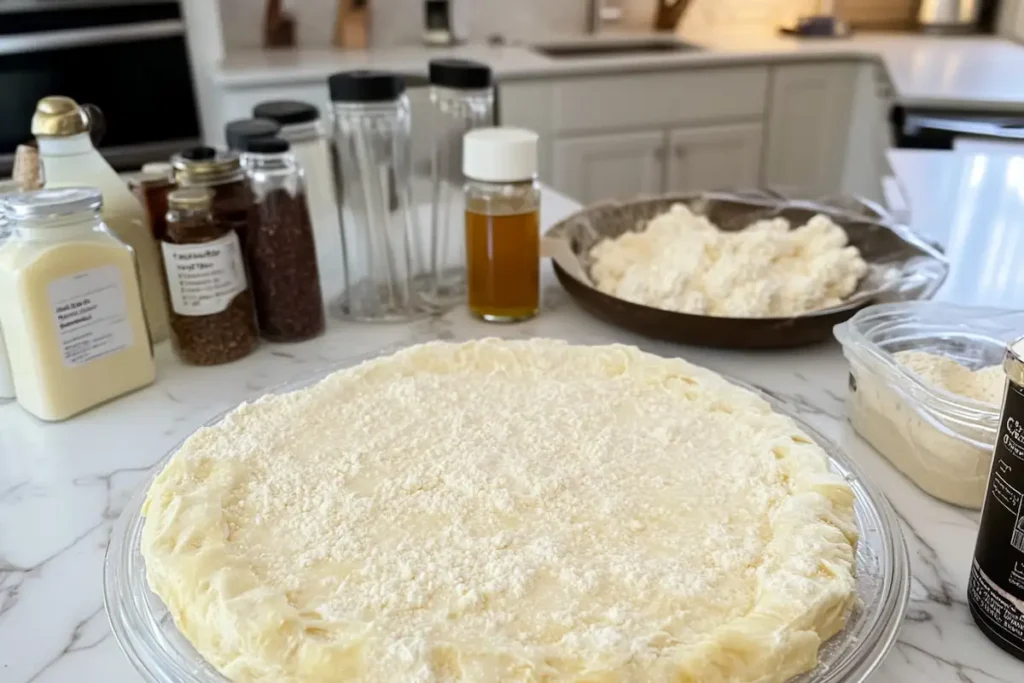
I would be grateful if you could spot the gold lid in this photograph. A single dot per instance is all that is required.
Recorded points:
(206, 166)
(190, 198)
(58, 116)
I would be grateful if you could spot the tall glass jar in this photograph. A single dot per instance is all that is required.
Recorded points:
(462, 96)
(302, 126)
(502, 224)
(6, 374)
(213, 319)
(71, 308)
(380, 235)
(280, 250)
(222, 173)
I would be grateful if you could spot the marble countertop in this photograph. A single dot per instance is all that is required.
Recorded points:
(63, 485)
(967, 73)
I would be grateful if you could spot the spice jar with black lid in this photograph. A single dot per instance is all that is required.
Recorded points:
(280, 249)
(221, 172)
(237, 133)
(213, 318)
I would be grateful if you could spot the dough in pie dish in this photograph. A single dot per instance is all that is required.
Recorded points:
(505, 511)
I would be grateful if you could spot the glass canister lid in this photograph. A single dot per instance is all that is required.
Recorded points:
(237, 133)
(364, 87)
(286, 112)
(51, 203)
(460, 74)
(206, 166)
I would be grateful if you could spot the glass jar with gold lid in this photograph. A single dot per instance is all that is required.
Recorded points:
(220, 171)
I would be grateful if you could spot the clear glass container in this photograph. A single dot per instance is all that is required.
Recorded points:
(383, 246)
(302, 126)
(940, 440)
(220, 171)
(213, 319)
(502, 224)
(72, 310)
(280, 249)
(161, 654)
(6, 376)
(462, 96)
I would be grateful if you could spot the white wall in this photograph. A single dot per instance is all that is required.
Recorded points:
(401, 21)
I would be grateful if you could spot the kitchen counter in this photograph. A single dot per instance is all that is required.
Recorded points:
(63, 485)
(963, 73)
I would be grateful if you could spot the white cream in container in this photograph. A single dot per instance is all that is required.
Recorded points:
(941, 440)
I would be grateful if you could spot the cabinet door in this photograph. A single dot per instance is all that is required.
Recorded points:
(809, 126)
(619, 166)
(715, 158)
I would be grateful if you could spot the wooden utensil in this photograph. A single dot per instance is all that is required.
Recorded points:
(352, 25)
(278, 25)
(669, 13)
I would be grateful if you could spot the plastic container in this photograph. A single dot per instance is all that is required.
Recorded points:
(301, 125)
(281, 251)
(382, 243)
(161, 654)
(942, 441)
(462, 95)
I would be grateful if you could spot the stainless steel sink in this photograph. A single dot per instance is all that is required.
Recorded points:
(593, 48)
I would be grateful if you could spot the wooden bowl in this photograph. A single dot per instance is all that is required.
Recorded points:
(901, 266)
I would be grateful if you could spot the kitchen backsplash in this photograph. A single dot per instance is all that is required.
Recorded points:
(397, 22)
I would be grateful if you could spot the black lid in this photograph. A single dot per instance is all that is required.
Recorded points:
(267, 146)
(199, 153)
(460, 74)
(286, 112)
(238, 132)
(365, 86)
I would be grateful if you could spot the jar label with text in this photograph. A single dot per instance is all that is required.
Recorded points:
(91, 314)
(204, 279)
(996, 586)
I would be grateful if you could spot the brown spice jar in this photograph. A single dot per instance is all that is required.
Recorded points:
(281, 253)
(212, 315)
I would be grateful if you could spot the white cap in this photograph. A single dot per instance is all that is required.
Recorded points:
(500, 155)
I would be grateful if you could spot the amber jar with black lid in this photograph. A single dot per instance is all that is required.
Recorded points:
(220, 171)
(213, 317)
(281, 250)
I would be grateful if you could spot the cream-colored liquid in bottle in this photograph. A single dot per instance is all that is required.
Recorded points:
(70, 159)
(72, 310)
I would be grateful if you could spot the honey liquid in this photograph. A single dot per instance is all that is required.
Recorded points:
(503, 265)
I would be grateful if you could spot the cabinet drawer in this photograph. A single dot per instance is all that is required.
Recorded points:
(654, 100)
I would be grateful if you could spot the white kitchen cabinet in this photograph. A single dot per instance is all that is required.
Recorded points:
(715, 157)
(613, 166)
(809, 126)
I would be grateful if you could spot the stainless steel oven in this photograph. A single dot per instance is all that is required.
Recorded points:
(128, 57)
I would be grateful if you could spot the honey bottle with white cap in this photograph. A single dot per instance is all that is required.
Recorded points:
(502, 224)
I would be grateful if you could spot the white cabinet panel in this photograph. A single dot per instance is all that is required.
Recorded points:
(808, 126)
(715, 157)
(614, 166)
(660, 99)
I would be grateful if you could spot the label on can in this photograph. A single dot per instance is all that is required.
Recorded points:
(996, 588)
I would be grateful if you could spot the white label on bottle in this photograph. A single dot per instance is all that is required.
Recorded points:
(204, 279)
(91, 313)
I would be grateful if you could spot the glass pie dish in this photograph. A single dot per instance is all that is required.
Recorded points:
(149, 638)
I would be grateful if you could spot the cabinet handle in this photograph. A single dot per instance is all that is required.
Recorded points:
(679, 151)
(661, 154)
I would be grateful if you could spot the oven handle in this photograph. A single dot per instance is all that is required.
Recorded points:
(85, 37)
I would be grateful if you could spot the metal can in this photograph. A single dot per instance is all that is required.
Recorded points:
(995, 592)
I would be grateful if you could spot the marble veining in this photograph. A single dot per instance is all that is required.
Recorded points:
(63, 485)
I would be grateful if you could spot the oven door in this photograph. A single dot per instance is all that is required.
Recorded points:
(129, 60)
